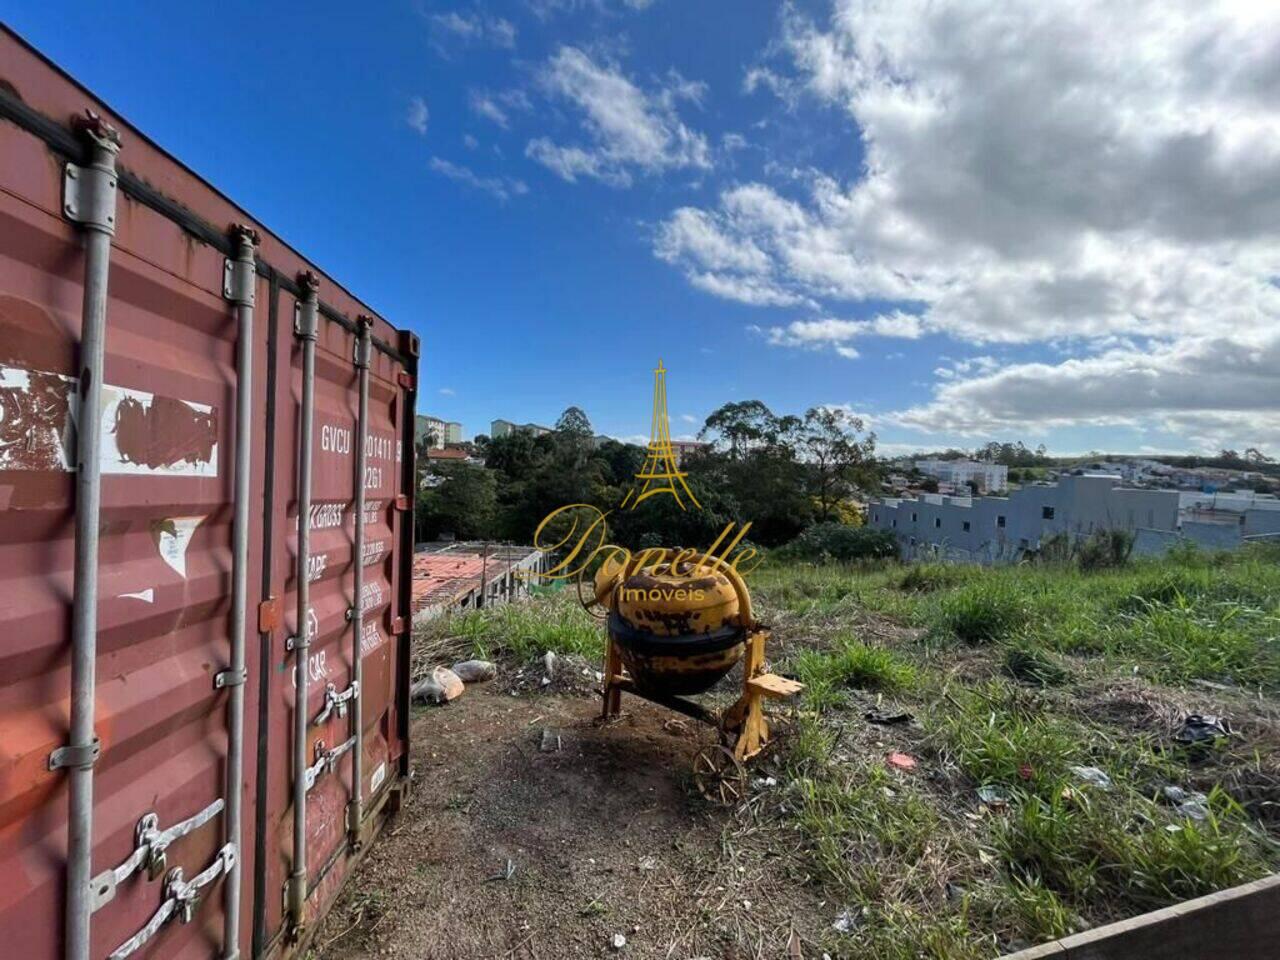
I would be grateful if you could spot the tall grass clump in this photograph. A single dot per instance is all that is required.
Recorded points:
(827, 674)
(928, 577)
(530, 628)
(990, 609)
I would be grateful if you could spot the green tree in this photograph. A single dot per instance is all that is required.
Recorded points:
(574, 421)
(837, 455)
(463, 502)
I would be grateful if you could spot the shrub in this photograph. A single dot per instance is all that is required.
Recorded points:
(1104, 549)
(836, 541)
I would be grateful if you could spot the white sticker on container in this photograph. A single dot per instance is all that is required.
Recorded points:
(141, 433)
(379, 775)
(172, 538)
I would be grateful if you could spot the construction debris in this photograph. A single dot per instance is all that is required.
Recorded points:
(1202, 729)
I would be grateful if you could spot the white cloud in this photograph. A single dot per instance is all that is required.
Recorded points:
(475, 28)
(546, 8)
(1079, 172)
(501, 188)
(448, 392)
(1219, 390)
(418, 115)
(688, 418)
(628, 130)
(833, 334)
(498, 107)
(469, 141)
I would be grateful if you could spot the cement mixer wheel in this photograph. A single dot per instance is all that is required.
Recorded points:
(719, 776)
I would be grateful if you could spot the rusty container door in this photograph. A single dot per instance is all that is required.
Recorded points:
(330, 570)
(165, 565)
(164, 560)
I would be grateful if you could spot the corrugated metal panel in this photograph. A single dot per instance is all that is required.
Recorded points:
(165, 558)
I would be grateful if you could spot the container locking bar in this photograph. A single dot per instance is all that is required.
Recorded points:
(355, 807)
(306, 326)
(239, 279)
(150, 851)
(182, 898)
(336, 702)
(89, 199)
(326, 760)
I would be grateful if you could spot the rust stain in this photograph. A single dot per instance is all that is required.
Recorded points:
(165, 432)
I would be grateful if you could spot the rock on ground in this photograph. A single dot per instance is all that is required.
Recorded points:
(441, 686)
(475, 671)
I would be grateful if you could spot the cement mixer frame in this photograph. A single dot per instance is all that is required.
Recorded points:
(719, 772)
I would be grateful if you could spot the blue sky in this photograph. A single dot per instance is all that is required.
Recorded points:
(962, 224)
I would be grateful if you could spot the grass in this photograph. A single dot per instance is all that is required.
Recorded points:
(929, 870)
(998, 666)
(848, 663)
(525, 630)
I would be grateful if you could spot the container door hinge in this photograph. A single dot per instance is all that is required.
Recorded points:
(89, 197)
(269, 615)
(399, 625)
(230, 678)
(336, 702)
(182, 897)
(150, 845)
(405, 379)
(326, 760)
(78, 758)
(402, 503)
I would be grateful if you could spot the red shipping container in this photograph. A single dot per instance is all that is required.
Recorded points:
(184, 273)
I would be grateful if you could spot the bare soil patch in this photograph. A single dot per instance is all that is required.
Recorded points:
(509, 850)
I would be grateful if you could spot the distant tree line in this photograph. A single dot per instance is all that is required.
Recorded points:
(783, 473)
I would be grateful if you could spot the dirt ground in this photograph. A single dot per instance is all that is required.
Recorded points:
(510, 850)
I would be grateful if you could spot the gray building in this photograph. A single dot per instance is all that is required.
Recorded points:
(1001, 529)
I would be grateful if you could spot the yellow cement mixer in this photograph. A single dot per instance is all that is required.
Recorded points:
(675, 628)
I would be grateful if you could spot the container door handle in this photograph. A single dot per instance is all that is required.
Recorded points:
(151, 845)
(183, 896)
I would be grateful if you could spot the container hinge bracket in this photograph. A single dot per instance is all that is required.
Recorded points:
(404, 379)
(230, 678)
(182, 897)
(239, 277)
(152, 842)
(296, 643)
(336, 702)
(89, 197)
(326, 760)
(71, 757)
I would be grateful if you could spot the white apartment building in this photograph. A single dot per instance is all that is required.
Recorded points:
(990, 477)
(442, 432)
(504, 428)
